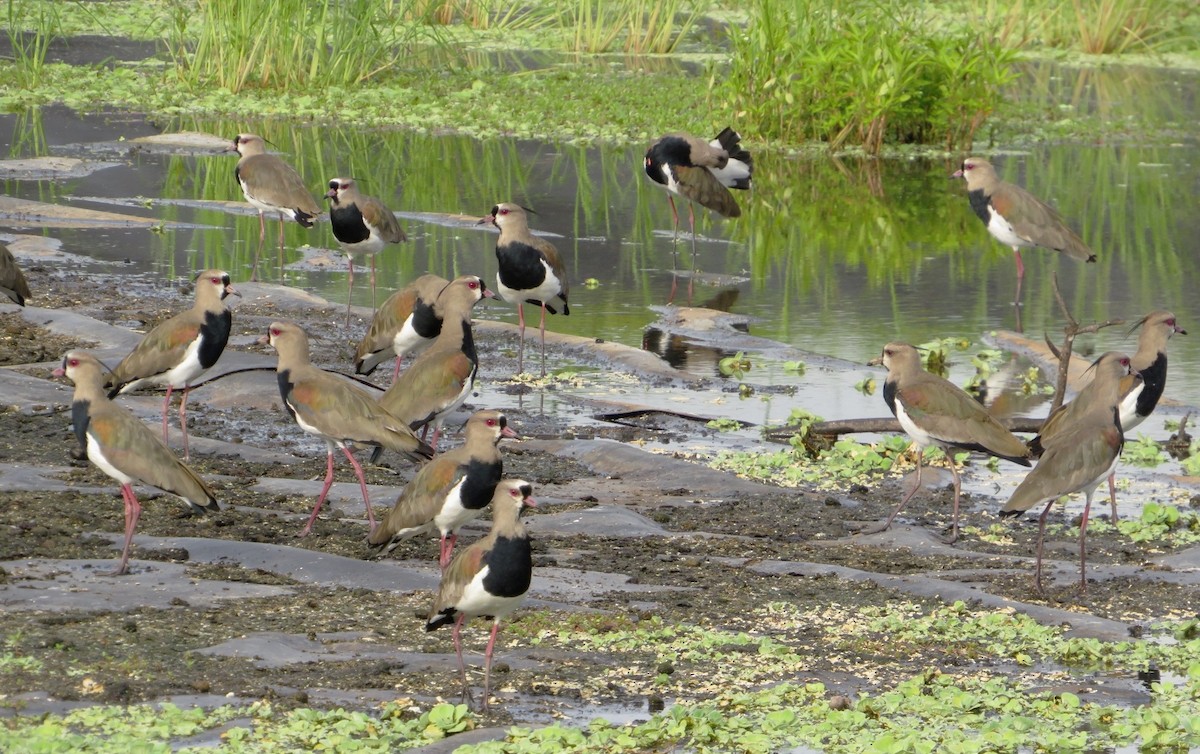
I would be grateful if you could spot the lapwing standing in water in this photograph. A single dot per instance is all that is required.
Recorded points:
(700, 172)
(271, 185)
(1080, 448)
(120, 445)
(441, 378)
(529, 271)
(490, 578)
(935, 411)
(451, 490)
(334, 409)
(1016, 217)
(176, 352)
(362, 225)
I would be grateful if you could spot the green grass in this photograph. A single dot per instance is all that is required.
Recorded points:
(864, 73)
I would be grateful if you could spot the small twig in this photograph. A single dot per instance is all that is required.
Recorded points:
(1063, 354)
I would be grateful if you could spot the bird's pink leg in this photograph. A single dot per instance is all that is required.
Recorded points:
(1112, 495)
(372, 282)
(674, 218)
(396, 369)
(692, 228)
(487, 663)
(447, 550)
(1020, 275)
(133, 511)
(362, 484)
(349, 289)
(1037, 577)
(521, 325)
(324, 491)
(957, 492)
(183, 419)
(542, 327)
(166, 408)
(896, 511)
(462, 666)
(262, 235)
(280, 247)
(1083, 522)
(437, 432)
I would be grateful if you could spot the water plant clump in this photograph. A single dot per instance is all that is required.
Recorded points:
(864, 74)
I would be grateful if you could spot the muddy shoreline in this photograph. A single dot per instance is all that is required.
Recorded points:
(233, 607)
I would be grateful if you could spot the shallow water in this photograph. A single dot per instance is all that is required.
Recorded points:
(831, 257)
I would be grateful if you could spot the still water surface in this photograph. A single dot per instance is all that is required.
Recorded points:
(831, 257)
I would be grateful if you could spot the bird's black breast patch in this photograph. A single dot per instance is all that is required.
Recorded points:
(980, 204)
(348, 225)
(214, 335)
(510, 567)
(479, 484)
(520, 266)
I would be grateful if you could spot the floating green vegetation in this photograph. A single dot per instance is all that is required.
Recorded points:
(1160, 526)
(1143, 451)
(971, 711)
(845, 462)
(258, 728)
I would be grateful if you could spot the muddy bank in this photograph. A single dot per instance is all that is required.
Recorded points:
(232, 606)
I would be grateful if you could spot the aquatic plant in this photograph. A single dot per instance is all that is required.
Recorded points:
(286, 44)
(859, 74)
(31, 27)
(1095, 27)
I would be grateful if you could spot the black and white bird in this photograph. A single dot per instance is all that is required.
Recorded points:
(362, 225)
(490, 578)
(529, 270)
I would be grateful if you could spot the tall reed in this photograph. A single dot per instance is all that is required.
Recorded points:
(859, 73)
(286, 44)
(31, 29)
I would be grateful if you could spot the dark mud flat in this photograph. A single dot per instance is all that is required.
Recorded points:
(233, 607)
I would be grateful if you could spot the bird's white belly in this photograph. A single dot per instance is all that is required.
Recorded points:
(373, 244)
(475, 600)
(1129, 414)
(1003, 231)
(408, 341)
(920, 436)
(453, 513)
(177, 377)
(96, 455)
(545, 292)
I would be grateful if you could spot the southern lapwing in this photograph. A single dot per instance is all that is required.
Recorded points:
(1016, 217)
(702, 173)
(490, 578)
(362, 225)
(271, 185)
(176, 352)
(935, 411)
(441, 378)
(408, 322)
(120, 445)
(336, 410)
(1078, 454)
(1139, 394)
(13, 285)
(450, 490)
(529, 270)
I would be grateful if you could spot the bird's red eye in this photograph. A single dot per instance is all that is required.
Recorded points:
(473, 285)
(504, 212)
(275, 331)
(491, 422)
(73, 362)
(1171, 322)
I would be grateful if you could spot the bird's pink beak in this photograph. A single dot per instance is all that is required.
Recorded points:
(529, 502)
(489, 219)
(957, 173)
(264, 340)
(489, 293)
(508, 432)
(331, 194)
(59, 372)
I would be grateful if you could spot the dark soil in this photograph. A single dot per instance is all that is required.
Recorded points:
(148, 653)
